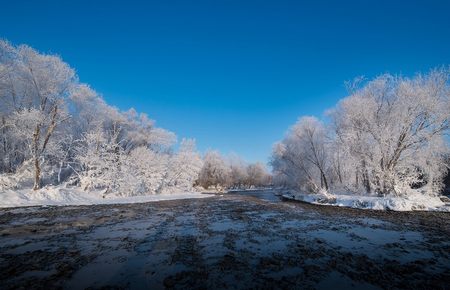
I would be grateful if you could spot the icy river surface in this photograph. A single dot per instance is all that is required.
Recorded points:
(239, 240)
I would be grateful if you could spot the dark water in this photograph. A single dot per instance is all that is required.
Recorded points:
(267, 195)
(247, 236)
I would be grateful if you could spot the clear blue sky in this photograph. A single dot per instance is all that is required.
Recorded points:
(233, 74)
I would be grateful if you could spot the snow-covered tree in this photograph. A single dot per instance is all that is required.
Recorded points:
(103, 161)
(390, 126)
(215, 171)
(387, 137)
(184, 167)
(62, 130)
(303, 157)
(257, 175)
(35, 87)
(150, 167)
(238, 172)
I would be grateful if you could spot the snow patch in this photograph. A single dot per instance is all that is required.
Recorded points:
(60, 196)
(412, 202)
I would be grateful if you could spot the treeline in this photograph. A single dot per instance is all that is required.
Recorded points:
(232, 172)
(57, 130)
(389, 136)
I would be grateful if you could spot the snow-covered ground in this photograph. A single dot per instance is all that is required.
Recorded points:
(75, 196)
(416, 201)
(60, 196)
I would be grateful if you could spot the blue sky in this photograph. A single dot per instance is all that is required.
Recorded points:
(232, 74)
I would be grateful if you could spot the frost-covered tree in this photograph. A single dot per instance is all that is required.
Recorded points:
(58, 130)
(184, 167)
(103, 161)
(150, 167)
(238, 172)
(387, 137)
(393, 128)
(232, 172)
(119, 159)
(257, 175)
(215, 172)
(34, 87)
(140, 130)
(302, 157)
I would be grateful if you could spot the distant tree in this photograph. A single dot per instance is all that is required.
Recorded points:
(214, 172)
(184, 167)
(238, 172)
(302, 156)
(257, 175)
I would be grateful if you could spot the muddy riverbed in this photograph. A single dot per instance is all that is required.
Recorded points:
(233, 241)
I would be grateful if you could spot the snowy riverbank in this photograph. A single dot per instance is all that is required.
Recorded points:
(408, 203)
(59, 196)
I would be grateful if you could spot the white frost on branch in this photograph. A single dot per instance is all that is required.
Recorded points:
(386, 138)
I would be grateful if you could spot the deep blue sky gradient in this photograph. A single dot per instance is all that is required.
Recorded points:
(233, 74)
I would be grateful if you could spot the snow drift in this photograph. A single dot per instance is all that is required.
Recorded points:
(60, 196)
(411, 202)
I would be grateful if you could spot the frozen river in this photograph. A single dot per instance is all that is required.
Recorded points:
(235, 241)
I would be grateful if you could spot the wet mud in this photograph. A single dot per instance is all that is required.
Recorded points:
(231, 241)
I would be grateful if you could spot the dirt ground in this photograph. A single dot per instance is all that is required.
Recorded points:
(234, 241)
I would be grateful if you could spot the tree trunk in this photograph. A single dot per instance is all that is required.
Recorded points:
(37, 167)
(59, 172)
(37, 151)
(366, 177)
(37, 174)
(324, 180)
